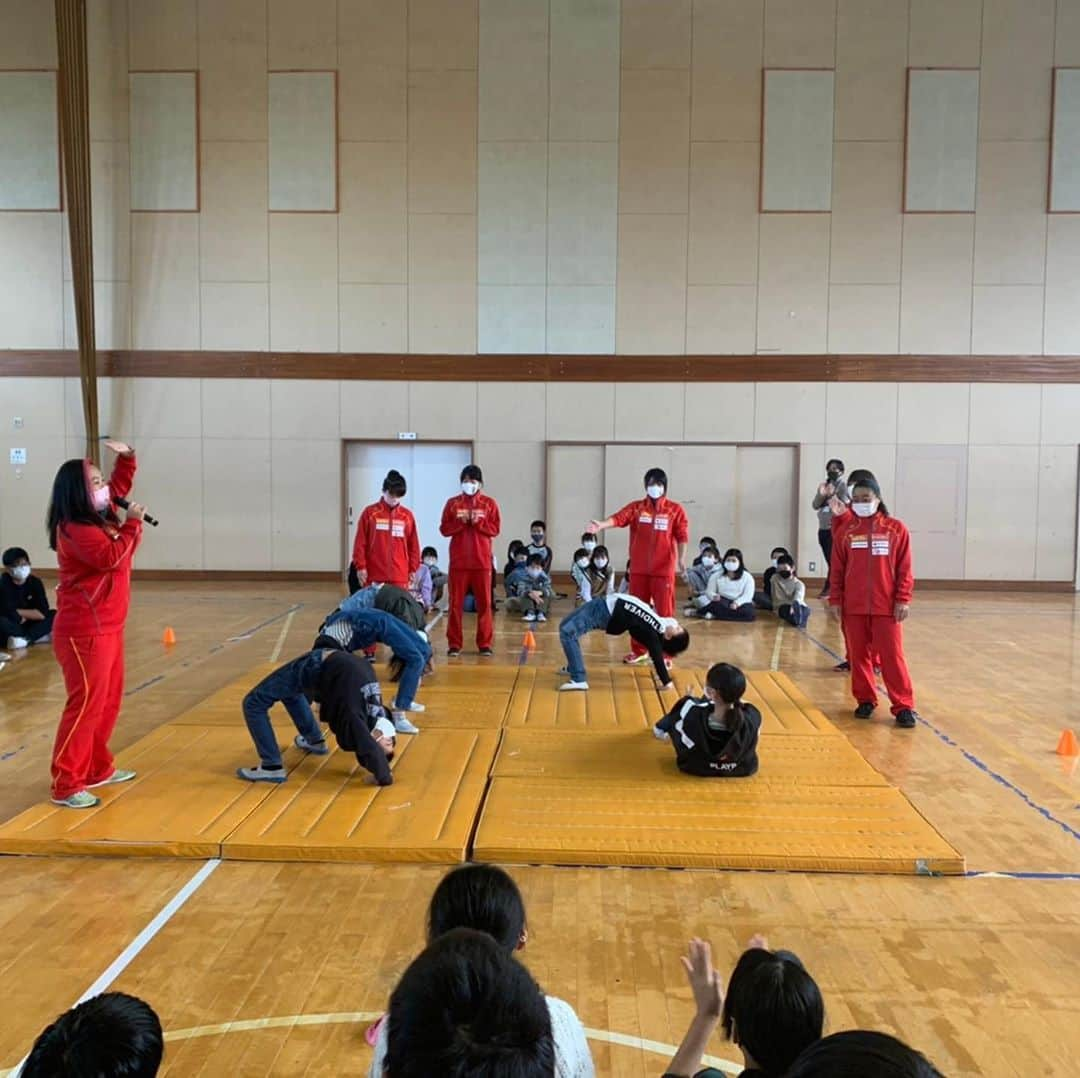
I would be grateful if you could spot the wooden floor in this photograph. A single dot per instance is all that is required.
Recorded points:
(981, 973)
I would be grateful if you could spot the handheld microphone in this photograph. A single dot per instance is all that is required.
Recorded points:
(124, 503)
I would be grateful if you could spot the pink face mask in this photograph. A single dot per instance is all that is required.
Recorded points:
(102, 498)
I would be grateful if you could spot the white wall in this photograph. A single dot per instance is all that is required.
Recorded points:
(246, 474)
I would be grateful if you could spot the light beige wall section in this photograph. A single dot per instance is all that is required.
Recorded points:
(246, 473)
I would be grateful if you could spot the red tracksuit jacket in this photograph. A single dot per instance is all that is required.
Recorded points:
(93, 591)
(871, 565)
(470, 542)
(386, 544)
(655, 529)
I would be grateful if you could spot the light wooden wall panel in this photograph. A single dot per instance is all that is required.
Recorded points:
(303, 141)
(797, 142)
(1065, 152)
(29, 141)
(164, 140)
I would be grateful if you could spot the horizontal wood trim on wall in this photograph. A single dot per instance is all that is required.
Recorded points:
(398, 367)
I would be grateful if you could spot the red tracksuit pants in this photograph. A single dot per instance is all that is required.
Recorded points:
(478, 581)
(659, 593)
(93, 668)
(880, 637)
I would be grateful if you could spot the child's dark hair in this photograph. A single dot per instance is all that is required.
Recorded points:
(837, 461)
(482, 897)
(515, 547)
(428, 552)
(601, 551)
(535, 559)
(588, 537)
(778, 550)
(729, 683)
(706, 540)
(773, 1008)
(13, 555)
(465, 1007)
(70, 501)
(785, 559)
(858, 1052)
(868, 482)
(713, 550)
(394, 484)
(581, 552)
(656, 475)
(471, 472)
(735, 552)
(537, 524)
(677, 644)
(110, 1034)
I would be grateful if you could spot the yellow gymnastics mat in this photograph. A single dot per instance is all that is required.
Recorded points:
(507, 768)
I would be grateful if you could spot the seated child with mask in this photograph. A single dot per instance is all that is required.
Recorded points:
(530, 591)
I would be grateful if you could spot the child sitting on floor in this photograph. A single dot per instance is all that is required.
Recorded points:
(580, 572)
(789, 593)
(763, 598)
(729, 595)
(430, 560)
(538, 544)
(697, 576)
(600, 576)
(516, 556)
(25, 617)
(717, 736)
(530, 592)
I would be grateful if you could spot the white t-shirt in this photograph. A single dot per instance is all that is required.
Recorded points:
(572, 1057)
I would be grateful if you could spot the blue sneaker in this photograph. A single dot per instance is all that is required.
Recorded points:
(316, 748)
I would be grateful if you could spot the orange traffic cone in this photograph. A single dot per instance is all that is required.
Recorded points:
(1067, 744)
(168, 638)
(530, 640)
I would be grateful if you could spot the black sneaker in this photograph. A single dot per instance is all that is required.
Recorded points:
(864, 711)
(453, 653)
(486, 653)
(906, 719)
(842, 667)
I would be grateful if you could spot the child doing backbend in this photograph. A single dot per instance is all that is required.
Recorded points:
(716, 736)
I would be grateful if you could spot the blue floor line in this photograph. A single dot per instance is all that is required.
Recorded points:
(973, 759)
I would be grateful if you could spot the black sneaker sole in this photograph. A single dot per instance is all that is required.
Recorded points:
(909, 724)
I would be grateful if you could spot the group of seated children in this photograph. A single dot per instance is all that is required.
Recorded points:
(722, 588)
(467, 1006)
(25, 617)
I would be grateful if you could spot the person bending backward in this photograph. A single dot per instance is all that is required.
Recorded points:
(658, 536)
(872, 588)
(858, 1053)
(714, 737)
(730, 594)
(617, 614)
(470, 520)
(486, 899)
(358, 630)
(94, 552)
(386, 549)
(773, 1011)
(789, 593)
(466, 1009)
(345, 687)
(25, 615)
(112, 1035)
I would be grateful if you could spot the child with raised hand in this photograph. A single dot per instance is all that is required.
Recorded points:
(789, 594)
(773, 1010)
(530, 592)
(715, 736)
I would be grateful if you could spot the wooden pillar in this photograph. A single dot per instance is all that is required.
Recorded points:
(73, 85)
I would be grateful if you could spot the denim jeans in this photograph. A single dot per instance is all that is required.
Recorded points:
(415, 654)
(361, 599)
(284, 686)
(588, 617)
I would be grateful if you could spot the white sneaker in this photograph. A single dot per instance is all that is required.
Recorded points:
(316, 748)
(541, 617)
(530, 616)
(709, 616)
(689, 611)
(80, 800)
(574, 686)
(46, 639)
(414, 706)
(19, 643)
(403, 725)
(114, 779)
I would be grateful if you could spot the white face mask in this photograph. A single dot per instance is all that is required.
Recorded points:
(864, 509)
(590, 547)
(655, 490)
(583, 563)
(709, 561)
(601, 563)
(774, 563)
(21, 573)
(101, 498)
(469, 487)
(731, 565)
(534, 573)
(429, 563)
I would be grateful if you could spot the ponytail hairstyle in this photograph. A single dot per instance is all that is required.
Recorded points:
(729, 684)
(866, 481)
(394, 484)
(70, 502)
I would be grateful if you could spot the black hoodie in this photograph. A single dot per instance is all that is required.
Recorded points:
(351, 704)
(708, 752)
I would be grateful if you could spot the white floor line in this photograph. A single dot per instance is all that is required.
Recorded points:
(602, 1036)
(138, 944)
(276, 653)
(775, 663)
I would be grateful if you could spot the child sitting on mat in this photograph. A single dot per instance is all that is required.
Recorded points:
(772, 1011)
(717, 736)
(618, 614)
(350, 704)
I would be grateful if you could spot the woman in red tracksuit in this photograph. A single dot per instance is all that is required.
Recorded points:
(94, 552)
(872, 587)
(470, 521)
(386, 550)
(659, 532)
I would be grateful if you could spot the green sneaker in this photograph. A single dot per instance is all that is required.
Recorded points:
(113, 779)
(80, 800)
